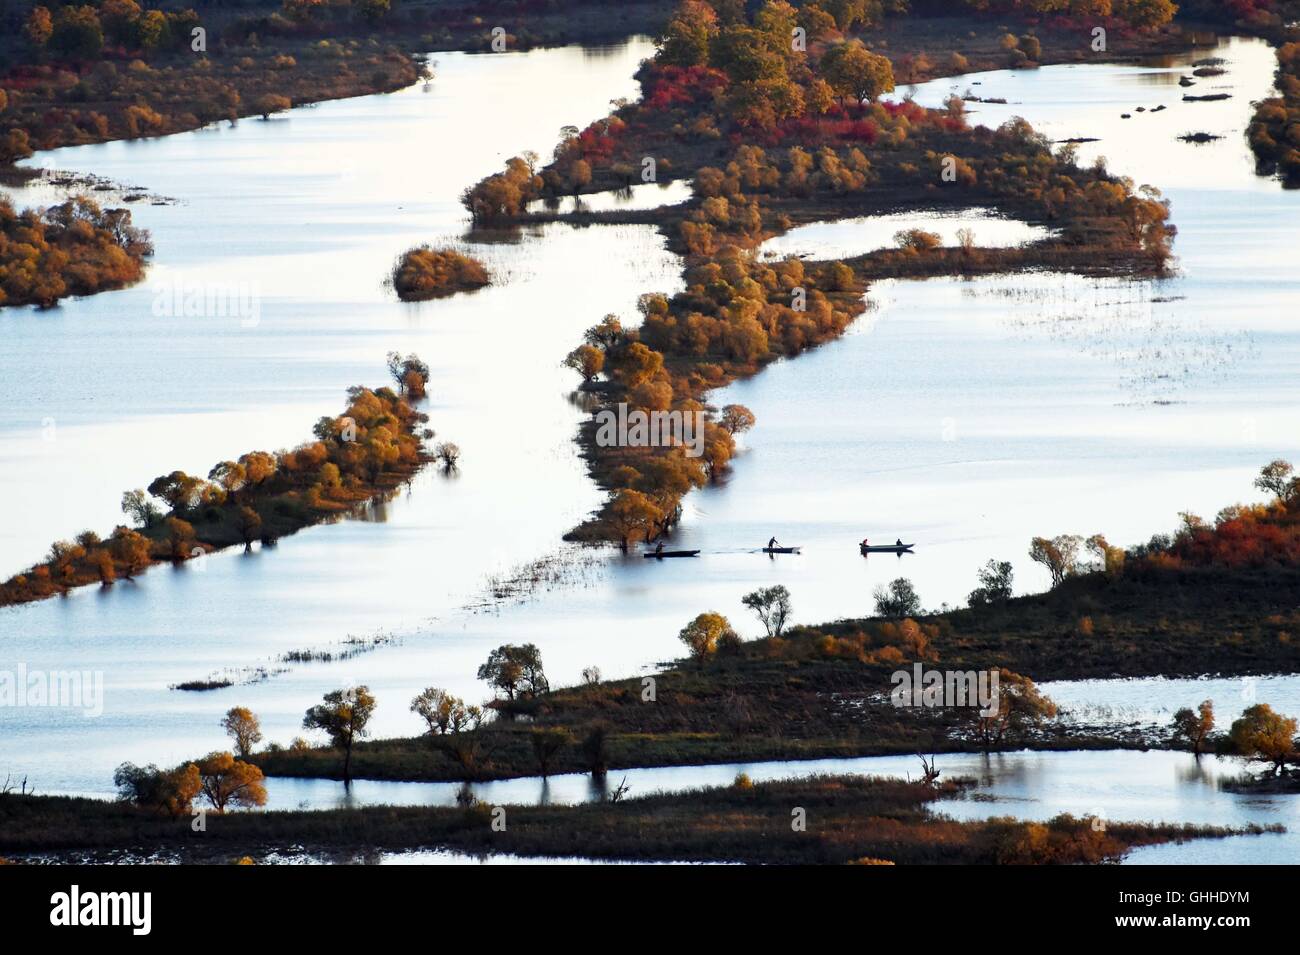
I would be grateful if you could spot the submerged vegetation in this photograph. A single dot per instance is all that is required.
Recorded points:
(366, 452)
(74, 248)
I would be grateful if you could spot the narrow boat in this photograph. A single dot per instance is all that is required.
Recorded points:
(886, 548)
(672, 553)
(780, 550)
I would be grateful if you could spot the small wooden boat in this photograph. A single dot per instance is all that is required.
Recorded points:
(780, 550)
(886, 548)
(671, 553)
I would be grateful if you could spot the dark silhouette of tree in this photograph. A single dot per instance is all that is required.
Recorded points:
(343, 716)
(515, 670)
(772, 605)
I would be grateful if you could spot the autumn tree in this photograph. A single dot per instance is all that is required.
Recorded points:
(227, 781)
(586, 360)
(665, 479)
(152, 30)
(1195, 726)
(578, 175)
(442, 712)
(181, 491)
(504, 194)
(778, 20)
(1277, 478)
(772, 605)
(343, 716)
(1018, 706)
(1111, 560)
(853, 70)
(737, 418)
(229, 474)
(242, 726)
(1145, 13)
(634, 365)
(453, 727)
(77, 33)
(703, 634)
(847, 13)
(425, 272)
(63, 558)
(719, 448)
(1264, 736)
(170, 791)
(39, 27)
(131, 549)
(917, 240)
(748, 55)
(819, 97)
(120, 18)
(180, 538)
(103, 562)
(605, 335)
(15, 145)
(515, 670)
(1060, 555)
(630, 514)
(249, 523)
(410, 373)
(269, 103)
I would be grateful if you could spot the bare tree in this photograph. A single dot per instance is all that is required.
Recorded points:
(772, 605)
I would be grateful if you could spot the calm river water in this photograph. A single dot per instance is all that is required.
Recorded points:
(965, 415)
(1111, 786)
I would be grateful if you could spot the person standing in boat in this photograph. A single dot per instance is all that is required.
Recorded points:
(865, 542)
(659, 548)
(773, 544)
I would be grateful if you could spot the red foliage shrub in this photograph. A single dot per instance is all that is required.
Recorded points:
(666, 86)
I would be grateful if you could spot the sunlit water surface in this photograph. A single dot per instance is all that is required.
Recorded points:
(1115, 786)
(845, 238)
(967, 416)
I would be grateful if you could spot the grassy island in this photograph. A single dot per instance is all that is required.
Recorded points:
(424, 273)
(845, 820)
(74, 248)
(1224, 591)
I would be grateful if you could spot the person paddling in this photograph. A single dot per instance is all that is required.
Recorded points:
(772, 544)
(659, 549)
